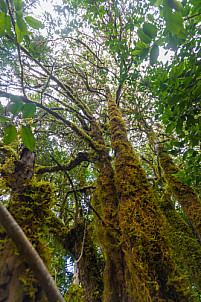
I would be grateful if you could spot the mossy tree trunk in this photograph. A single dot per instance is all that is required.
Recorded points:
(29, 205)
(185, 245)
(139, 265)
(184, 242)
(186, 195)
(90, 265)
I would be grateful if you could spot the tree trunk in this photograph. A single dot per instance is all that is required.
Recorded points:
(185, 245)
(91, 264)
(139, 265)
(30, 202)
(186, 196)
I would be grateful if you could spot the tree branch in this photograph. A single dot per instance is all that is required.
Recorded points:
(81, 133)
(82, 156)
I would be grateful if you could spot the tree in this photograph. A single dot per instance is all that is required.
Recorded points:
(84, 97)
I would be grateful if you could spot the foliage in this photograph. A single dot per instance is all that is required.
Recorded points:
(82, 86)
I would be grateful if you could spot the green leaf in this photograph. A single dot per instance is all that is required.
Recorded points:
(143, 37)
(144, 53)
(34, 23)
(3, 6)
(185, 154)
(18, 4)
(28, 138)
(176, 5)
(2, 23)
(179, 125)
(15, 98)
(8, 25)
(136, 52)
(4, 119)
(190, 121)
(174, 21)
(158, 2)
(29, 110)
(150, 30)
(154, 54)
(10, 134)
(16, 107)
(19, 33)
(20, 22)
(170, 128)
(150, 17)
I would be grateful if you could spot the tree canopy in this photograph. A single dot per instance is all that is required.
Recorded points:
(100, 163)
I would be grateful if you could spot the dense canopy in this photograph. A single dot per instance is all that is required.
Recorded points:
(100, 150)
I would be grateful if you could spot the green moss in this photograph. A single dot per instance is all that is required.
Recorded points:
(187, 249)
(185, 195)
(149, 268)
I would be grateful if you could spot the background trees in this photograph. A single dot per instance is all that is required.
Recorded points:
(84, 90)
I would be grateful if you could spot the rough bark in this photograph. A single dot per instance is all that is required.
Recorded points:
(31, 257)
(184, 243)
(30, 202)
(148, 270)
(186, 195)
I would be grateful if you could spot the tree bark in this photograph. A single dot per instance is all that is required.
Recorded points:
(30, 203)
(148, 270)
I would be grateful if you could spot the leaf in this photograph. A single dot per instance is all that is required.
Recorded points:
(10, 134)
(34, 23)
(143, 37)
(16, 107)
(18, 4)
(170, 128)
(144, 53)
(28, 138)
(150, 17)
(2, 23)
(20, 22)
(190, 121)
(174, 21)
(176, 5)
(136, 52)
(15, 98)
(158, 2)
(3, 6)
(179, 125)
(154, 54)
(150, 30)
(4, 119)
(29, 110)
(19, 33)
(185, 154)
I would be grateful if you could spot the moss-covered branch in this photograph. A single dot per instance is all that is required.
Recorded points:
(81, 157)
(186, 195)
(8, 151)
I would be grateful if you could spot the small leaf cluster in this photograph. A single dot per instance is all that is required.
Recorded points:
(10, 132)
(8, 19)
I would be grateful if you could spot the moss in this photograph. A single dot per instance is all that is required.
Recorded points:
(30, 204)
(187, 249)
(185, 194)
(150, 271)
